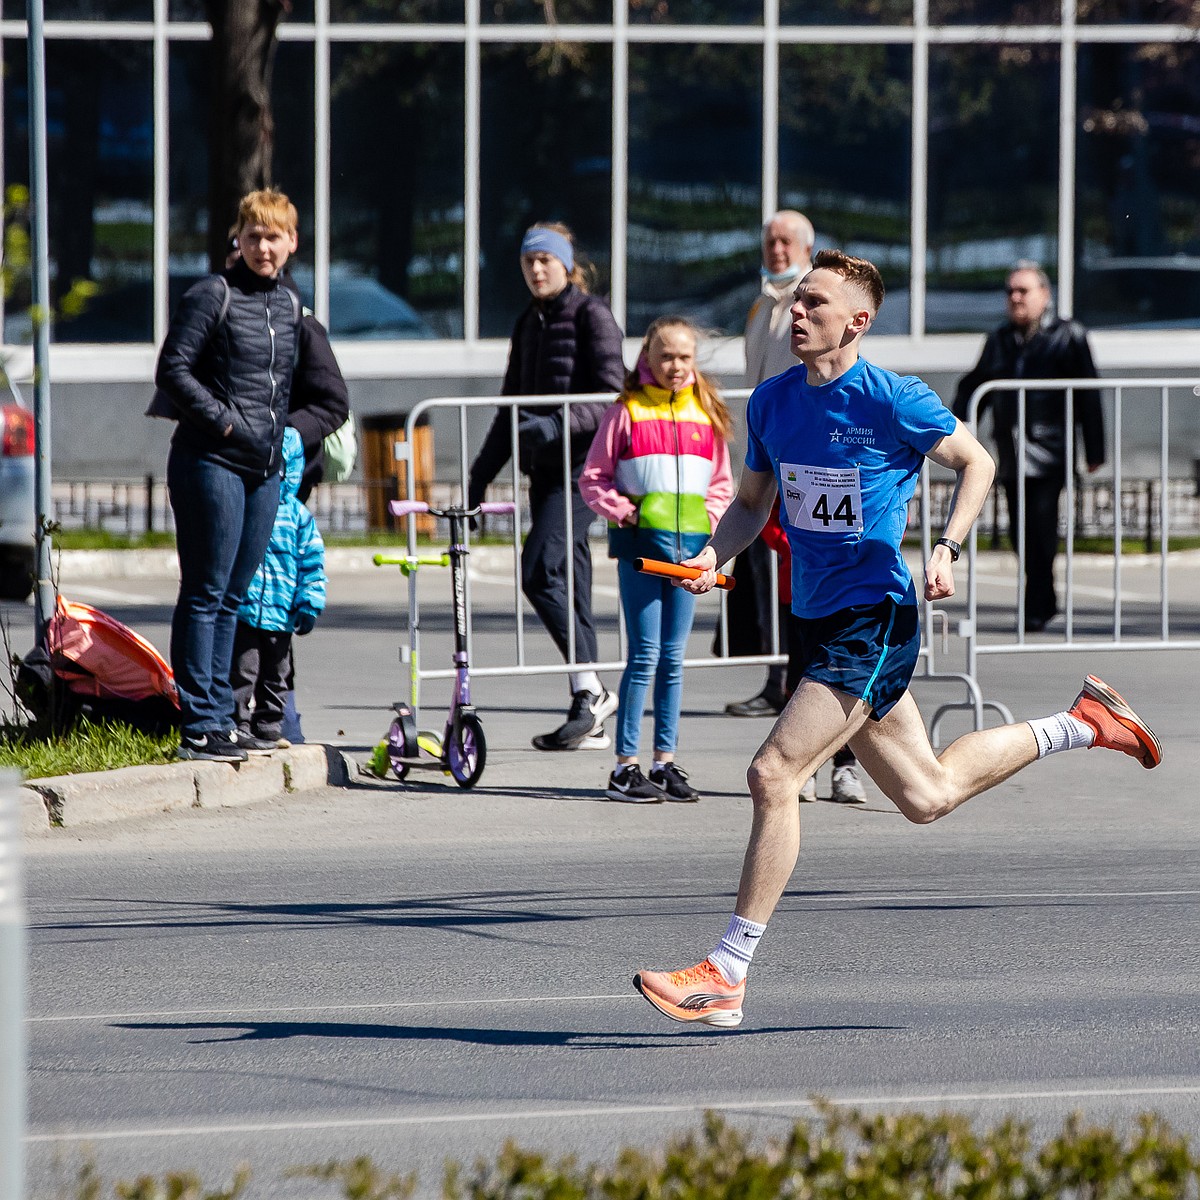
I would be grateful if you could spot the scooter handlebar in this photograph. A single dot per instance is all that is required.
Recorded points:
(401, 508)
(651, 566)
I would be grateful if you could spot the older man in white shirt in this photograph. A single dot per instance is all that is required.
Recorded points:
(787, 244)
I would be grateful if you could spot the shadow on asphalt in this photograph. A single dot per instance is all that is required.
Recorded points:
(262, 1031)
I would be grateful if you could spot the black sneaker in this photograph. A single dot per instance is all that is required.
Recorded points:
(210, 747)
(766, 704)
(673, 781)
(584, 721)
(629, 784)
(252, 744)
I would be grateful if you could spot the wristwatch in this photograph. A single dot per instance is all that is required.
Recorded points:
(954, 547)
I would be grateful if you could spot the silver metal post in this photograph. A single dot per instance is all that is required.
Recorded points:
(43, 602)
(12, 992)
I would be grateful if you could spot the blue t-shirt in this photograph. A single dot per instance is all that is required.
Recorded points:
(846, 456)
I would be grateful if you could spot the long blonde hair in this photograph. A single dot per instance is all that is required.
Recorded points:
(583, 274)
(707, 393)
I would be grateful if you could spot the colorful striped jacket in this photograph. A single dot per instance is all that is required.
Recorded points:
(659, 472)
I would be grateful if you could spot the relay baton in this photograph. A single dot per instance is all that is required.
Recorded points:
(652, 566)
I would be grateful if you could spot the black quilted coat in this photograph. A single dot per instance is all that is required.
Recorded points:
(571, 344)
(225, 369)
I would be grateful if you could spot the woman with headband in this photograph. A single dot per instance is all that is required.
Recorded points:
(566, 341)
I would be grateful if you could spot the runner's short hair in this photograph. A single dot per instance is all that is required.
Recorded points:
(858, 272)
(270, 208)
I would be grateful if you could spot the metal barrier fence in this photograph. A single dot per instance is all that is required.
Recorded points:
(1151, 400)
(131, 507)
(933, 621)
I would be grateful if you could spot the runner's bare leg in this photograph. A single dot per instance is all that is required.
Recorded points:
(895, 752)
(815, 724)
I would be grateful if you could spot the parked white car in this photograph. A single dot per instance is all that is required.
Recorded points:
(16, 497)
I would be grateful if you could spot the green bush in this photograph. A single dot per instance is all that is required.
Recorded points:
(839, 1155)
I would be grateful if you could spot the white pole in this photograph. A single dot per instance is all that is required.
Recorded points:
(12, 992)
(40, 245)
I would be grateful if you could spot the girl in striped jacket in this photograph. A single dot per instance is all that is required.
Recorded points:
(659, 471)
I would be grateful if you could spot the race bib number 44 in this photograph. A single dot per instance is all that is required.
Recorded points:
(822, 499)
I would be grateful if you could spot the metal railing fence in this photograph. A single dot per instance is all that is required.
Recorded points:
(458, 407)
(1151, 402)
(131, 507)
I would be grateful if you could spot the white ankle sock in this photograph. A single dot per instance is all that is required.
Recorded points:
(1061, 732)
(735, 950)
(585, 681)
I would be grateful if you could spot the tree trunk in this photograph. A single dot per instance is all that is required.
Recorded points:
(241, 131)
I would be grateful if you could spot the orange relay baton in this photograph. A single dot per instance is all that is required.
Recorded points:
(674, 571)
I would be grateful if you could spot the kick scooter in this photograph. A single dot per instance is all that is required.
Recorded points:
(461, 751)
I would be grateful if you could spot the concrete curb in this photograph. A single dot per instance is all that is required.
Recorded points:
(68, 801)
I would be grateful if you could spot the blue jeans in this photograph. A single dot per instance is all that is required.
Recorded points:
(223, 523)
(658, 619)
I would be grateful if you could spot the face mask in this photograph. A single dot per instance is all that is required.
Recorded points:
(793, 272)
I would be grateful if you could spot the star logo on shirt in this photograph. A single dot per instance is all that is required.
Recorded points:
(835, 436)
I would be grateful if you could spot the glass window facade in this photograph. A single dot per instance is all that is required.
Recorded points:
(419, 138)
(993, 177)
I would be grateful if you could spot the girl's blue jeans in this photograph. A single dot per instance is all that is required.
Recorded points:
(658, 619)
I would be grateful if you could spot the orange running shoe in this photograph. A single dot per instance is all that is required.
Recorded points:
(697, 993)
(1117, 726)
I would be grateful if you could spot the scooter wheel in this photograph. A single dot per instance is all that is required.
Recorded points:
(397, 748)
(467, 752)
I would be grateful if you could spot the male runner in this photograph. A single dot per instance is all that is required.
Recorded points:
(843, 441)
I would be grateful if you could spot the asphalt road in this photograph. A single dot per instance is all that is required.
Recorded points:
(420, 973)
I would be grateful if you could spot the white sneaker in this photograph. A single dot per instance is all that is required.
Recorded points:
(595, 741)
(602, 709)
(808, 793)
(847, 786)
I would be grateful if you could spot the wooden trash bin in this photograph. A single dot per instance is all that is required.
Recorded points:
(385, 475)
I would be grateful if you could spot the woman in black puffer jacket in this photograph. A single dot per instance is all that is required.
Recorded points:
(566, 341)
(224, 374)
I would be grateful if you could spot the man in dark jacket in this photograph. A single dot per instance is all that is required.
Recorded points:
(1035, 344)
(224, 374)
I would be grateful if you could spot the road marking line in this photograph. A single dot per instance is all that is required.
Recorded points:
(598, 589)
(88, 592)
(623, 1110)
(1082, 589)
(313, 1008)
(840, 899)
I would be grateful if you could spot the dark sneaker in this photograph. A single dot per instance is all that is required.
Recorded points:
(210, 747)
(627, 783)
(585, 720)
(672, 780)
(252, 744)
(765, 704)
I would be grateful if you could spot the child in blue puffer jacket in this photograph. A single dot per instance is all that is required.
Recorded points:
(286, 595)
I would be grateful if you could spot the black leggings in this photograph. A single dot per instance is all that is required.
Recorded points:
(544, 567)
